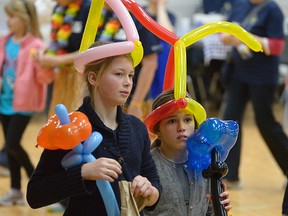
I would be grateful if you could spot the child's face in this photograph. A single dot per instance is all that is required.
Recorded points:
(16, 25)
(115, 84)
(175, 129)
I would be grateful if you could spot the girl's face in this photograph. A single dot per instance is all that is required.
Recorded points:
(16, 25)
(115, 84)
(175, 129)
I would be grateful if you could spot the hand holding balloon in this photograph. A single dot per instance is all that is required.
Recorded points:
(212, 133)
(83, 154)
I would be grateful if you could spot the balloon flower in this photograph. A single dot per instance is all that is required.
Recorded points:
(67, 131)
(63, 130)
(207, 148)
(212, 133)
(82, 154)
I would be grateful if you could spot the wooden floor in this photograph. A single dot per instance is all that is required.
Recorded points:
(263, 183)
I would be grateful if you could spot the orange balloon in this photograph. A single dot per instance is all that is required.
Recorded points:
(54, 136)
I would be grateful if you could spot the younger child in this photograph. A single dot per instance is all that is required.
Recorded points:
(185, 191)
(23, 91)
(124, 153)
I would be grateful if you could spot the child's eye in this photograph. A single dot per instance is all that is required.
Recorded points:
(119, 74)
(131, 76)
(188, 119)
(171, 121)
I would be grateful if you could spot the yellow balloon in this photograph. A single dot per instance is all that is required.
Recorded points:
(90, 30)
(180, 69)
(197, 110)
(137, 53)
(222, 26)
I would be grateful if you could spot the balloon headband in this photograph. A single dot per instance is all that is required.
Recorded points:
(133, 45)
(175, 74)
(170, 107)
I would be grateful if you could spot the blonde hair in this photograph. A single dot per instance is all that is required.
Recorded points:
(100, 66)
(25, 9)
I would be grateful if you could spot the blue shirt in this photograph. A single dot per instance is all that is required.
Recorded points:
(8, 78)
(268, 22)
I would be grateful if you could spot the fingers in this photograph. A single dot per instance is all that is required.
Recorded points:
(141, 187)
(111, 169)
(101, 169)
(226, 202)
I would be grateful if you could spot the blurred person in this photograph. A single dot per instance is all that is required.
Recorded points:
(23, 89)
(254, 77)
(157, 9)
(67, 26)
(68, 21)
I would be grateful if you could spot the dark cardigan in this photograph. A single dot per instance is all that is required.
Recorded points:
(129, 144)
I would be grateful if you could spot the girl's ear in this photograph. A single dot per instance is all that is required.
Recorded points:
(91, 78)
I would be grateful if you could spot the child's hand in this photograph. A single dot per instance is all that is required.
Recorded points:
(141, 187)
(226, 202)
(36, 53)
(101, 169)
(225, 194)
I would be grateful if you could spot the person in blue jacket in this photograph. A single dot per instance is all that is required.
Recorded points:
(254, 77)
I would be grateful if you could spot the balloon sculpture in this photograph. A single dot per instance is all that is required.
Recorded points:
(71, 138)
(56, 134)
(208, 147)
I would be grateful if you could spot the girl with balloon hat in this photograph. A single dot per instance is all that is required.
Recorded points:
(123, 153)
(174, 121)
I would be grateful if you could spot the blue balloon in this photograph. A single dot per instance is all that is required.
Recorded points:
(213, 132)
(62, 114)
(81, 153)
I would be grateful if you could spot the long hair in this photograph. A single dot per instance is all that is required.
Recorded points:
(26, 10)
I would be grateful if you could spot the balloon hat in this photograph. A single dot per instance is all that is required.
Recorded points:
(170, 107)
(175, 74)
(133, 45)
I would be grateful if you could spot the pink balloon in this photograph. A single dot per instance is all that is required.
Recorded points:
(133, 45)
(101, 52)
(125, 18)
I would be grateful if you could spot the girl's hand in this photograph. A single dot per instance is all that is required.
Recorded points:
(101, 169)
(226, 202)
(141, 187)
(225, 194)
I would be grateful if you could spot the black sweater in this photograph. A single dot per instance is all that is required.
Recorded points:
(51, 183)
